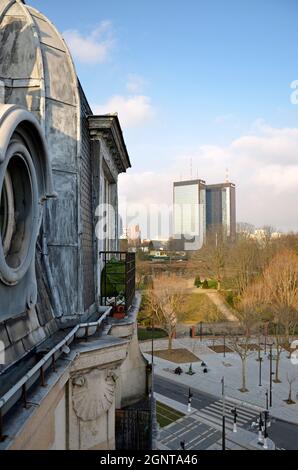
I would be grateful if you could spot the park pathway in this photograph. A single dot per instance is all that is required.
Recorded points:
(217, 299)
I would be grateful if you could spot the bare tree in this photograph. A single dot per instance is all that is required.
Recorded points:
(291, 379)
(245, 262)
(245, 228)
(248, 323)
(214, 255)
(278, 297)
(153, 306)
(166, 301)
(279, 341)
(280, 282)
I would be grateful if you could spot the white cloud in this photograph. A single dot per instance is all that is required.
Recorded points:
(133, 111)
(263, 165)
(271, 145)
(135, 83)
(92, 48)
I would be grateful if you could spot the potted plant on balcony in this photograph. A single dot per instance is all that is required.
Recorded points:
(113, 286)
(119, 312)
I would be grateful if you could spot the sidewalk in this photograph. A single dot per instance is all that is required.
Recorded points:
(230, 368)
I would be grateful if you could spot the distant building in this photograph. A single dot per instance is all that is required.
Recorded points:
(221, 208)
(200, 208)
(133, 235)
(189, 209)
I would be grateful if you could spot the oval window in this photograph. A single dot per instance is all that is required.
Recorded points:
(17, 225)
(19, 214)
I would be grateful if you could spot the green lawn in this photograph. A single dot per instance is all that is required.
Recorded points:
(198, 307)
(212, 284)
(166, 415)
(144, 334)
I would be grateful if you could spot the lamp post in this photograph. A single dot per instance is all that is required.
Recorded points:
(260, 360)
(271, 374)
(266, 413)
(223, 415)
(154, 425)
(190, 395)
(267, 403)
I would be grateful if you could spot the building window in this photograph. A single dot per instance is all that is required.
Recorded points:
(18, 216)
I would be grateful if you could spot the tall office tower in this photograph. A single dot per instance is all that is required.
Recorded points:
(221, 209)
(190, 212)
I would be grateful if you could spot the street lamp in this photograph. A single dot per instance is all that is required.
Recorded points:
(266, 415)
(271, 374)
(267, 403)
(260, 360)
(154, 425)
(223, 415)
(190, 395)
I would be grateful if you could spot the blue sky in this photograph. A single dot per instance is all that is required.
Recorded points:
(201, 80)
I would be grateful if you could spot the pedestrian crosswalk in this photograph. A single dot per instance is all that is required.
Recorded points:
(214, 411)
(196, 435)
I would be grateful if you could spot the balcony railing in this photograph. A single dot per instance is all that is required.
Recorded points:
(118, 280)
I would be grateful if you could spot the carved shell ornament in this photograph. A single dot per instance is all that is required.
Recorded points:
(93, 394)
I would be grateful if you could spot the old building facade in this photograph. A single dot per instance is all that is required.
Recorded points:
(67, 364)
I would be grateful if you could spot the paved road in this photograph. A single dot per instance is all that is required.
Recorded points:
(196, 435)
(285, 435)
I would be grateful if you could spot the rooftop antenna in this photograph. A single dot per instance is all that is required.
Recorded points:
(227, 175)
(191, 168)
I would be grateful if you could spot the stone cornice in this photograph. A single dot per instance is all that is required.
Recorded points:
(107, 127)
